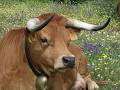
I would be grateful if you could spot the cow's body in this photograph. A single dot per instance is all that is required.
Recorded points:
(15, 74)
(48, 55)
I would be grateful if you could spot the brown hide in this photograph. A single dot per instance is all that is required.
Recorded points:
(62, 80)
(81, 60)
(15, 74)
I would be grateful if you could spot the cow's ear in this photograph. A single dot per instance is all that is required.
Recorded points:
(74, 34)
(31, 38)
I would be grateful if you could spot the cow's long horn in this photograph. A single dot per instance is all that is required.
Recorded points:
(86, 26)
(35, 24)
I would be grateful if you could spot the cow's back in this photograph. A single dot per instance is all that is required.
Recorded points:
(81, 59)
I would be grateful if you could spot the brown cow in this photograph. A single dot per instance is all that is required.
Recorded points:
(50, 52)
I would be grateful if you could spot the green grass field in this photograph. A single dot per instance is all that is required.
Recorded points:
(102, 48)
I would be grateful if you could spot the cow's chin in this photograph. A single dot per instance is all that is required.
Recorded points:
(64, 69)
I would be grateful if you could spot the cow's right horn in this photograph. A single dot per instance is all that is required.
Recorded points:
(35, 24)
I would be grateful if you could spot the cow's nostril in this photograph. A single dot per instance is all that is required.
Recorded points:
(65, 60)
(69, 61)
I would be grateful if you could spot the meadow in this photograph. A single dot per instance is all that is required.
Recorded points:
(101, 48)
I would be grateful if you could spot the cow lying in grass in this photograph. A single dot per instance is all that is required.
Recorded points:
(57, 80)
(44, 48)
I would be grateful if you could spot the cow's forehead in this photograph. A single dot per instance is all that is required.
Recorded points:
(56, 27)
(54, 30)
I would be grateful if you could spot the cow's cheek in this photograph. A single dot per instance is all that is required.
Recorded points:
(48, 56)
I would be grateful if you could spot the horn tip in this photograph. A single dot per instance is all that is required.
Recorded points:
(109, 19)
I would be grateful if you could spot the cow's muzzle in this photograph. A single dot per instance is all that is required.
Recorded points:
(69, 61)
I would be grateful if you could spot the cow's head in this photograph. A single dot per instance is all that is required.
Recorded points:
(49, 45)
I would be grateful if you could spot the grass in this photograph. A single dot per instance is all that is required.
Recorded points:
(102, 48)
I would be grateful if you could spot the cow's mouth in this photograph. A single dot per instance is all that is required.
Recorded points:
(64, 69)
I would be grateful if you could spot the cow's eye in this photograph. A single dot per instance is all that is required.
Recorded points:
(44, 40)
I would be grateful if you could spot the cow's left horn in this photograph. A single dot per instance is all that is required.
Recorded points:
(35, 24)
(73, 23)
